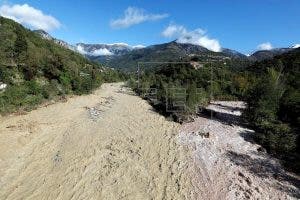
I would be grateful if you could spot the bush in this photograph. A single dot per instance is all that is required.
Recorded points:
(276, 137)
(33, 88)
(49, 91)
(13, 98)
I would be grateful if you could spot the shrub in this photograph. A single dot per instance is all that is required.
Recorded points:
(276, 137)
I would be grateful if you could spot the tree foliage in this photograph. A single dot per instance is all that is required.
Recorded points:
(274, 106)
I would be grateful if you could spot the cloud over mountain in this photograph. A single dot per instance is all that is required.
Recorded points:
(102, 52)
(133, 16)
(197, 37)
(265, 46)
(95, 52)
(30, 16)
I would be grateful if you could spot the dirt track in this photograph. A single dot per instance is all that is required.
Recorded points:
(111, 145)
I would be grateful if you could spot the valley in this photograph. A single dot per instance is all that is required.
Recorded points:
(160, 102)
(112, 145)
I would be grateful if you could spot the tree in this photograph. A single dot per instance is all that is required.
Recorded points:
(263, 99)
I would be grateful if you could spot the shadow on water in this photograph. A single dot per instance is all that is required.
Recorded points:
(263, 167)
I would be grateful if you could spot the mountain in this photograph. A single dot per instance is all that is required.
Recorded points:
(287, 62)
(172, 51)
(122, 55)
(35, 68)
(47, 36)
(106, 49)
(105, 52)
(234, 54)
(269, 54)
(295, 46)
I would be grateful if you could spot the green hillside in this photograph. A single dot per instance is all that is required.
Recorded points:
(34, 69)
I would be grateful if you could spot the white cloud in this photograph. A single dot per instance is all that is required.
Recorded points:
(174, 30)
(81, 50)
(133, 16)
(197, 37)
(139, 46)
(30, 16)
(101, 52)
(296, 46)
(96, 52)
(265, 46)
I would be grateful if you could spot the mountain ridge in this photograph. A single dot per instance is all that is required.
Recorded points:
(123, 55)
(60, 42)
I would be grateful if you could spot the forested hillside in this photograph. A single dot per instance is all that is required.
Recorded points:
(33, 69)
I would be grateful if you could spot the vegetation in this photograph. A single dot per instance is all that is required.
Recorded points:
(270, 88)
(191, 87)
(36, 69)
(274, 106)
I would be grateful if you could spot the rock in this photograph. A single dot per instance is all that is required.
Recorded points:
(2, 86)
(241, 174)
(11, 126)
(94, 112)
(203, 134)
(261, 149)
(206, 135)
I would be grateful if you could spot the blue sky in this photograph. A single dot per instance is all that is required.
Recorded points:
(237, 24)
